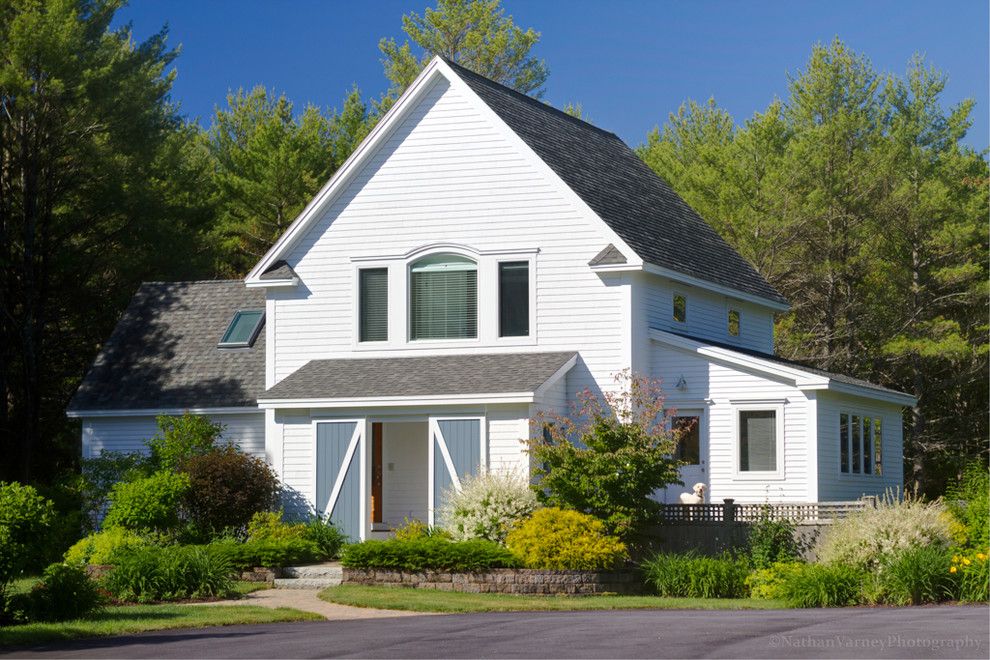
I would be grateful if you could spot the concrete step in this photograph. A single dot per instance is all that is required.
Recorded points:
(315, 571)
(306, 583)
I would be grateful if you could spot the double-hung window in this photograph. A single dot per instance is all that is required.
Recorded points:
(759, 439)
(373, 304)
(860, 444)
(513, 299)
(443, 298)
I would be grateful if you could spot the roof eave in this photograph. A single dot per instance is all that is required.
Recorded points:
(399, 401)
(272, 284)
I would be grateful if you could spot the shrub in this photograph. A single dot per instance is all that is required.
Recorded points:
(558, 539)
(227, 487)
(823, 585)
(270, 526)
(26, 520)
(175, 572)
(99, 475)
(266, 553)
(416, 529)
(972, 572)
(486, 506)
(969, 502)
(608, 457)
(916, 575)
(428, 554)
(771, 541)
(325, 536)
(768, 583)
(148, 504)
(101, 547)
(181, 438)
(867, 537)
(65, 592)
(691, 576)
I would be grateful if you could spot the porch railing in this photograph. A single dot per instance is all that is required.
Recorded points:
(729, 511)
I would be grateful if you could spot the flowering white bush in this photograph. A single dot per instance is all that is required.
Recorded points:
(486, 506)
(866, 538)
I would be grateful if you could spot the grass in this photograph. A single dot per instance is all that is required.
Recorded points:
(129, 619)
(431, 600)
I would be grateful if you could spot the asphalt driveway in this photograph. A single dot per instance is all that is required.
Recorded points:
(921, 632)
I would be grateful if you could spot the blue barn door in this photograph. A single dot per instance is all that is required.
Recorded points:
(338, 475)
(457, 450)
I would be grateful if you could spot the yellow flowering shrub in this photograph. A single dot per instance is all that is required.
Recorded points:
(972, 570)
(559, 539)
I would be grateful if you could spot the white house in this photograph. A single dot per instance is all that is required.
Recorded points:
(481, 256)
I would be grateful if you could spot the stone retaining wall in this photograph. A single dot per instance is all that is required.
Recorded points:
(504, 581)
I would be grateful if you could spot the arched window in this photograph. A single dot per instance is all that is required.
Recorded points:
(443, 298)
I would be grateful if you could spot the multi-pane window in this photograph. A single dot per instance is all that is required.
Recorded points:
(373, 304)
(513, 299)
(860, 444)
(243, 329)
(443, 298)
(680, 308)
(687, 430)
(757, 440)
(733, 322)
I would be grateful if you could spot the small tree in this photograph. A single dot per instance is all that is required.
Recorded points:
(227, 488)
(26, 520)
(181, 438)
(608, 456)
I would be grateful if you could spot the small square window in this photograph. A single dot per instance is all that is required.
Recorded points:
(680, 308)
(243, 329)
(733, 323)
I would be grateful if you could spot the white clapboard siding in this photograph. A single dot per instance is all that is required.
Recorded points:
(715, 386)
(836, 486)
(707, 314)
(298, 461)
(508, 431)
(405, 472)
(448, 174)
(129, 434)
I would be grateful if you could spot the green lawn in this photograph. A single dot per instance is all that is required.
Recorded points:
(127, 619)
(430, 600)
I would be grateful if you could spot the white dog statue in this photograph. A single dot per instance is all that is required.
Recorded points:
(697, 498)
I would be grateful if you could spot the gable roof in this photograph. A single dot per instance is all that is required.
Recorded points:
(642, 211)
(406, 378)
(163, 353)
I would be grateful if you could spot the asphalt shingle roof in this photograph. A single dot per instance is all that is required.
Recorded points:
(280, 270)
(499, 373)
(625, 193)
(163, 352)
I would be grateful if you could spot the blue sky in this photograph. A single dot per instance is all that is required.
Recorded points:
(629, 64)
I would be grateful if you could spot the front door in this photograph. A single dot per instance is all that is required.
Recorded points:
(692, 450)
(457, 450)
(338, 474)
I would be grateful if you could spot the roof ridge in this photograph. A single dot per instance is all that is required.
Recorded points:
(529, 99)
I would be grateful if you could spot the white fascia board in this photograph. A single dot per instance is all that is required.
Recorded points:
(538, 163)
(272, 284)
(154, 412)
(552, 380)
(403, 401)
(711, 286)
(897, 398)
(348, 170)
(801, 379)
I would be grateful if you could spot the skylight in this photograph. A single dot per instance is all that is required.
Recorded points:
(243, 329)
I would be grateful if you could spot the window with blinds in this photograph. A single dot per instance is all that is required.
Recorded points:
(757, 440)
(443, 298)
(513, 299)
(860, 444)
(373, 296)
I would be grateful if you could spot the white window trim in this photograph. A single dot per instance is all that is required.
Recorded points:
(493, 324)
(702, 414)
(441, 343)
(762, 475)
(731, 307)
(674, 323)
(838, 431)
(381, 343)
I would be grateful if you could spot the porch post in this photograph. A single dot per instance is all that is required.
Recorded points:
(365, 481)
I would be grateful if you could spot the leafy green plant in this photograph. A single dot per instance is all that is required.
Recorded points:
(327, 538)
(100, 547)
(26, 520)
(486, 506)
(969, 502)
(273, 553)
(148, 504)
(100, 474)
(768, 583)
(608, 456)
(823, 585)
(64, 592)
(428, 554)
(175, 572)
(557, 539)
(867, 538)
(271, 526)
(411, 530)
(689, 575)
(180, 438)
(972, 572)
(771, 541)
(226, 488)
(917, 575)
